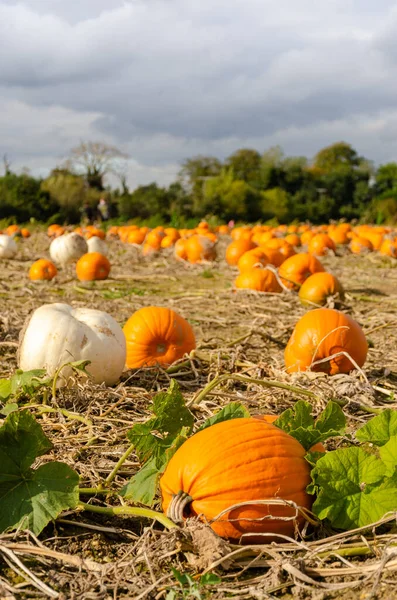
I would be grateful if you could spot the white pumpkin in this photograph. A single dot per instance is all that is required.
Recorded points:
(57, 334)
(8, 246)
(68, 248)
(95, 244)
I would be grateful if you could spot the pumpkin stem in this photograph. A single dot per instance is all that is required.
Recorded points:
(177, 506)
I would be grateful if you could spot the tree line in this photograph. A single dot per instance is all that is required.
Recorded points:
(247, 186)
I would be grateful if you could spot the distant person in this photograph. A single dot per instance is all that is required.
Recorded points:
(88, 213)
(103, 209)
(231, 224)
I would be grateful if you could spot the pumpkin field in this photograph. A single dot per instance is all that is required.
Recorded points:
(224, 427)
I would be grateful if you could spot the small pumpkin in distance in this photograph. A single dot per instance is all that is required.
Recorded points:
(321, 244)
(319, 288)
(236, 249)
(259, 280)
(251, 259)
(296, 269)
(321, 334)
(92, 266)
(42, 270)
(157, 335)
(237, 461)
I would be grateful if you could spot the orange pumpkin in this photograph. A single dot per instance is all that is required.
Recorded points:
(42, 269)
(321, 244)
(296, 269)
(239, 461)
(319, 447)
(236, 249)
(199, 248)
(293, 239)
(360, 245)
(157, 335)
(258, 279)
(92, 266)
(25, 233)
(274, 257)
(13, 230)
(320, 334)
(136, 236)
(252, 258)
(389, 248)
(180, 249)
(281, 245)
(320, 287)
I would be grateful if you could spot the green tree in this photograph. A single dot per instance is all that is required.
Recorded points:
(246, 166)
(68, 190)
(21, 197)
(194, 174)
(275, 204)
(231, 198)
(386, 178)
(338, 156)
(144, 202)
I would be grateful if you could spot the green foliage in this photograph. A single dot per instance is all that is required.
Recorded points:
(23, 382)
(31, 498)
(233, 410)
(337, 157)
(353, 488)
(190, 587)
(275, 204)
(357, 486)
(156, 441)
(231, 198)
(299, 422)
(21, 197)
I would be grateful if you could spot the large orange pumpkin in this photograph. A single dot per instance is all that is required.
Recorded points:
(258, 279)
(157, 335)
(42, 270)
(92, 266)
(239, 461)
(296, 269)
(320, 287)
(320, 334)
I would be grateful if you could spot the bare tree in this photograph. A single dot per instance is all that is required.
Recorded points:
(95, 160)
(7, 165)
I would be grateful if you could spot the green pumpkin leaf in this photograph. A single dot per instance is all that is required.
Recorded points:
(300, 424)
(380, 429)
(142, 487)
(5, 388)
(30, 498)
(352, 487)
(234, 410)
(156, 441)
(171, 411)
(388, 454)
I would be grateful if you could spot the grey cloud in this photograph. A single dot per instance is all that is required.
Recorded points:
(167, 78)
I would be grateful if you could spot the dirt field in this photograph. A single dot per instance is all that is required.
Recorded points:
(83, 555)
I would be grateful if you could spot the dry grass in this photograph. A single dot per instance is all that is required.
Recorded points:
(85, 556)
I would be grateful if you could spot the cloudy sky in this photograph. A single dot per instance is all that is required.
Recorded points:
(168, 79)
